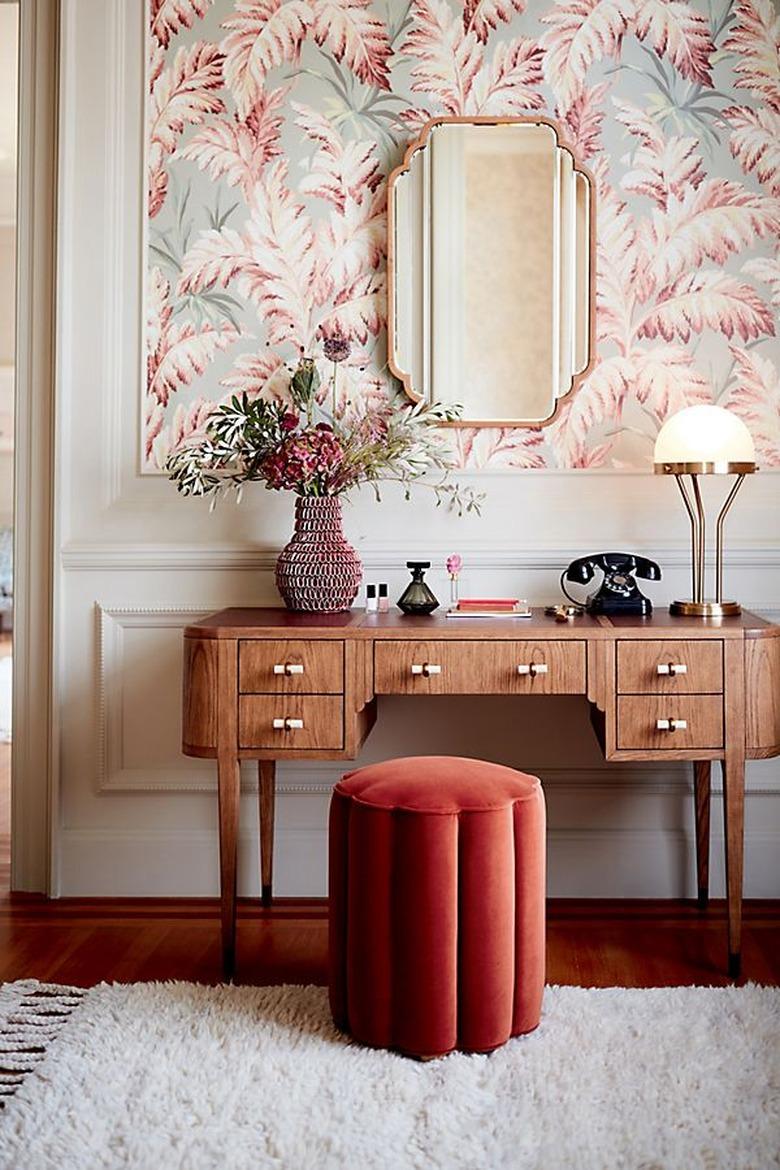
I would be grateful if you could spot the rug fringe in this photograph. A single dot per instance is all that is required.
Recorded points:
(32, 1015)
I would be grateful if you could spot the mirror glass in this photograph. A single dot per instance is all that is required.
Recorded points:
(490, 270)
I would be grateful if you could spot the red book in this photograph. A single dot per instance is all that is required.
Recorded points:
(487, 603)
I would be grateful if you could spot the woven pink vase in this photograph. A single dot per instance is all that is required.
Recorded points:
(318, 571)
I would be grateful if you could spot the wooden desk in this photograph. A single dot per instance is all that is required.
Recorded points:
(268, 685)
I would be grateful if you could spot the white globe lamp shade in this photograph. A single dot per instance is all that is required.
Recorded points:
(707, 439)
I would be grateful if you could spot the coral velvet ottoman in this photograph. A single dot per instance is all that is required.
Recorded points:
(437, 886)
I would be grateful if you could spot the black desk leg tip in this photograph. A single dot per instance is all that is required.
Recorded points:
(704, 898)
(229, 966)
(266, 895)
(735, 964)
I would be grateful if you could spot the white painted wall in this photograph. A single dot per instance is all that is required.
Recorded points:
(136, 562)
(9, 21)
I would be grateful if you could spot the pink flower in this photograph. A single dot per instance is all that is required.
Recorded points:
(307, 462)
(289, 421)
(454, 564)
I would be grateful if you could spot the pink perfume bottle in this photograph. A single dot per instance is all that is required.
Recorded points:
(454, 566)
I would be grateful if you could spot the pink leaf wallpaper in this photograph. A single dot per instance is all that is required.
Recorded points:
(272, 126)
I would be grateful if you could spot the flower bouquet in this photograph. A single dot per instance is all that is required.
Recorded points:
(308, 443)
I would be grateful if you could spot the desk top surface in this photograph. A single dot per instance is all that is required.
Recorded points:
(357, 623)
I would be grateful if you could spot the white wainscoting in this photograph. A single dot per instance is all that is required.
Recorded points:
(136, 564)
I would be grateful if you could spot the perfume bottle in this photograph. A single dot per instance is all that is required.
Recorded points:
(417, 597)
(454, 566)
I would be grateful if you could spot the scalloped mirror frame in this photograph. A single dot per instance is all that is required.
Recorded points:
(420, 143)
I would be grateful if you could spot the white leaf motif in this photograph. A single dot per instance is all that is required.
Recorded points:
(355, 35)
(677, 31)
(448, 59)
(708, 300)
(262, 35)
(755, 143)
(481, 16)
(260, 375)
(168, 17)
(580, 33)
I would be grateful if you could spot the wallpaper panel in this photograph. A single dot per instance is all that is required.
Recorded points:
(272, 127)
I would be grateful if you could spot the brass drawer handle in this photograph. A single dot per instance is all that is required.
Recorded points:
(672, 668)
(532, 668)
(671, 724)
(288, 724)
(288, 668)
(426, 668)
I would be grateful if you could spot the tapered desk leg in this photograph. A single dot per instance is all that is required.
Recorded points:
(229, 792)
(702, 788)
(734, 816)
(266, 787)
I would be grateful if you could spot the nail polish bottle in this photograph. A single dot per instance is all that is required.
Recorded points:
(384, 600)
(371, 603)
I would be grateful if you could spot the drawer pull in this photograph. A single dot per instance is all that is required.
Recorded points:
(426, 668)
(288, 668)
(288, 724)
(672, 668)
(532, 668)
(671, 724)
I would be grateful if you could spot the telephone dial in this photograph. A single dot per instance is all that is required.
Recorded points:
(618, 592)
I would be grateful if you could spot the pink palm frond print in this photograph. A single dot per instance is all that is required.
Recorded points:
(239, 150)
(481, 16)
(513, 81)
(754, 394)
(581, 32)
(675, 29)
(261, 36)
(272, 126)
(356, 36)
(708, 300)
(755, 143)
(755, 41)
(584, 120)
(168, 17)
(447, 58)
(184, 94)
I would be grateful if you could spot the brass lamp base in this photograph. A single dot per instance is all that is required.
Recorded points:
(705, 609)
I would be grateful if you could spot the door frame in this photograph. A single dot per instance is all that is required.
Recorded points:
(35, 731)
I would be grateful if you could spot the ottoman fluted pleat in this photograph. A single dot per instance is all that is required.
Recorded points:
(437, 874)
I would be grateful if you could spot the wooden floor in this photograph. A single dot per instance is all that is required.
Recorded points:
(590, 943)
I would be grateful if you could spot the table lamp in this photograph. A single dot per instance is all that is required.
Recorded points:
(704, 440)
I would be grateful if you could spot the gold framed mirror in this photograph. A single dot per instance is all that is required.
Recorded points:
(491, 269)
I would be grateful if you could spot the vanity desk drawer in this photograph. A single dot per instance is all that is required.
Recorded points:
(291, 722)
(479, 668)
(285, 667)
(670, 722)
(674, 667)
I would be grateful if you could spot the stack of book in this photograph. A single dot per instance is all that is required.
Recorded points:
(489, 607)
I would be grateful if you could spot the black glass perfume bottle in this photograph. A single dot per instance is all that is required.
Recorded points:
(417, 597)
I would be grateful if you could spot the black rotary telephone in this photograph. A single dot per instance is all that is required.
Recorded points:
(618, 592)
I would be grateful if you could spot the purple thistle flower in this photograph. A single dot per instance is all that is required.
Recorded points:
(337, 348)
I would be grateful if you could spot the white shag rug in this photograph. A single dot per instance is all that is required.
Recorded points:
(184, 1077)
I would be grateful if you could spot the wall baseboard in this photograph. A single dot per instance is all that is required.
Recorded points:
(582, 863)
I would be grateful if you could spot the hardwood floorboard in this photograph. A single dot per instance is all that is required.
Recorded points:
(589, 943)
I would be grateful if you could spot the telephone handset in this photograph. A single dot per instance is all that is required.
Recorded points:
(618, 592)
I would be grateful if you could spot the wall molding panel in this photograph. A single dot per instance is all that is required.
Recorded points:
(112, 625)
(86, 556)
